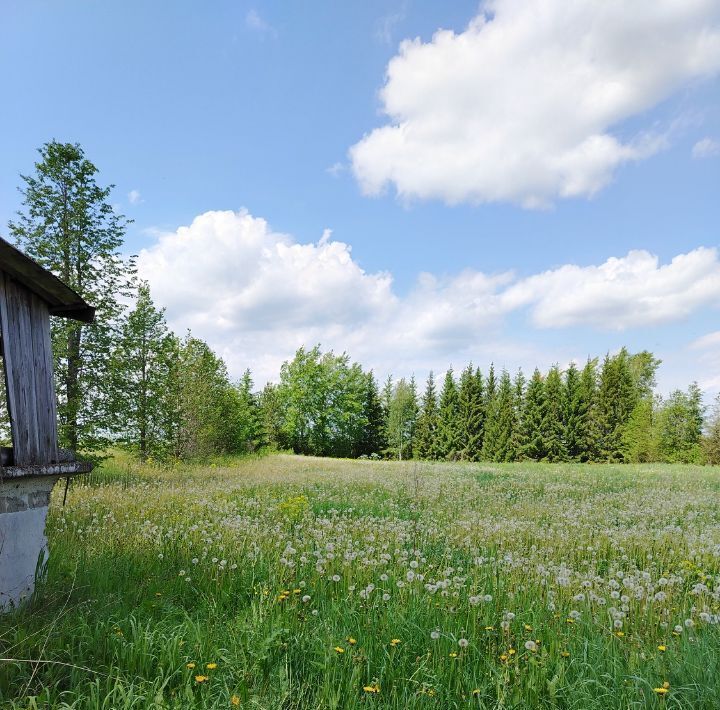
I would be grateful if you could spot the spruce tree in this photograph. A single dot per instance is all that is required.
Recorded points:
(470, 414)
(498, 440)
(373, 435)
(70, 227)
(617, 396)
(426, 434)
(711, 439)
(251, 434)
(448, 439)
(574, 414)
(553, 425)
(533, 418)
(518, 441)
(587, 413)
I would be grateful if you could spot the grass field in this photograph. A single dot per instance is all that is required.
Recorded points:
(288, 582)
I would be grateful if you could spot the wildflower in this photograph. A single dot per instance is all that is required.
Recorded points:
(476, 691)
(565, 654)
(374, 688)
(201, 678)
(463, 643)
(453, 655)
(305, 599)
(527, 627)
(394, 642)
(662, 648)
(434, 635)
(211, 666)
(503, 657)
(235, 700)
(511, 652)
(351, 640)
(489, 628)
(531, 646)
(619, 634)
(339, 649)
(661, 691)
(190, 665)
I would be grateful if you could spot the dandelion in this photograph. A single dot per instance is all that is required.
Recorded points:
(374, 688)
(531, 646)
(190, 665)
(211, 666)
(463, 643)
(235, 700)
(565, 654)
(339, 649)
(394, 642)
(434, 635)
(662, 648)
(201, 678)
(306, 599)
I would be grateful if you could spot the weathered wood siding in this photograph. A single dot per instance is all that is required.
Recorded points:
(27, 353)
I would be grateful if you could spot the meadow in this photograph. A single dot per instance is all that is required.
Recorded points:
(297, 582)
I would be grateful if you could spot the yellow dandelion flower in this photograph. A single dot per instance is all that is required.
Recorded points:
(211, 666)
(375, 688)
(503, 657)
(339, 649)
(570, 621)
(489, 628)
(394, 642)
(662, 648)
(511, 652)
(297, 591)
(661, 691)
(201, 678)
(619, 634)
(190, 665)
(453, 655)
(565, 654)
(527, 627)
(235, 700)
(351, 640)
(666, 685)
(477, 691)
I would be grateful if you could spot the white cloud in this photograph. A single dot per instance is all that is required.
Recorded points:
(706, 148)
(256, 23)
(521, 106)
(628, 292)
(256, 295)
(387, 23)
(134, 197)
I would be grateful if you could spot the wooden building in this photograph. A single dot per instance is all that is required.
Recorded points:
(29, 295)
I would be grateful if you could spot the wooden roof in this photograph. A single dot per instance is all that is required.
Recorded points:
(61, 299)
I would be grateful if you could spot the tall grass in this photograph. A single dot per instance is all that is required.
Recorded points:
(315, 583)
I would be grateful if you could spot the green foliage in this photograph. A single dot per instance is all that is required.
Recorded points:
(426, 432)
(553, 422)
(69, 226)
(617, 397)
(711, 440)
(471, 413)
(402, 418)
(499, 422)
(449, 442)
(533, 417)
(680, 422)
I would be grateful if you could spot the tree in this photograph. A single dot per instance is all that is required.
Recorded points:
(574, 414)
(587, 444)
(553, 425)
(711, 440)
(518, 442)
(640, 437)
(402, 417)
(426, 432)
(498, 439)
(470, 413)
(448, 436)
(533, 417)
(69, 226)
(140, 376)
(249, 426)
(372, 439)
(680, 426)
(616, 398)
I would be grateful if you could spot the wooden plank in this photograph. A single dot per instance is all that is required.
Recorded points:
(7, 355)
(44, 384)
(19, 344)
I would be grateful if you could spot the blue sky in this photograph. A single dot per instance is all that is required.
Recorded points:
(493, 159)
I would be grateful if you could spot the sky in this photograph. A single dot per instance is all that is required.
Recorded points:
(419, 184)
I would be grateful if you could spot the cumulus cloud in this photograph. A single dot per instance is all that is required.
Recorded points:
(628, 292)
(706, 148)
(256, 295)
(522, 105)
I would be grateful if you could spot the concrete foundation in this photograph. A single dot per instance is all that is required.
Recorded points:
(23, 545)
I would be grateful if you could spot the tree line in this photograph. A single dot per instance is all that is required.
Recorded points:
(128, 380)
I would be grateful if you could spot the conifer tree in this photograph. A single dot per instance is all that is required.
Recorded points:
(587, 413)
(533, 417)
(617, 396)
(518, 441)
(373, 435)
(426, 434)
(470, 414)
(250, 430)
(448, 439)
(574, 414)
(498, 439)
(70, 227)
(711, 439)
(553, 425)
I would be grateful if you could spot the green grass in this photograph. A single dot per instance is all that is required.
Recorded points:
(154, 569)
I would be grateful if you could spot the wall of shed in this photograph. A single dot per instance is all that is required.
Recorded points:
(27, 355)
(23, 510)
